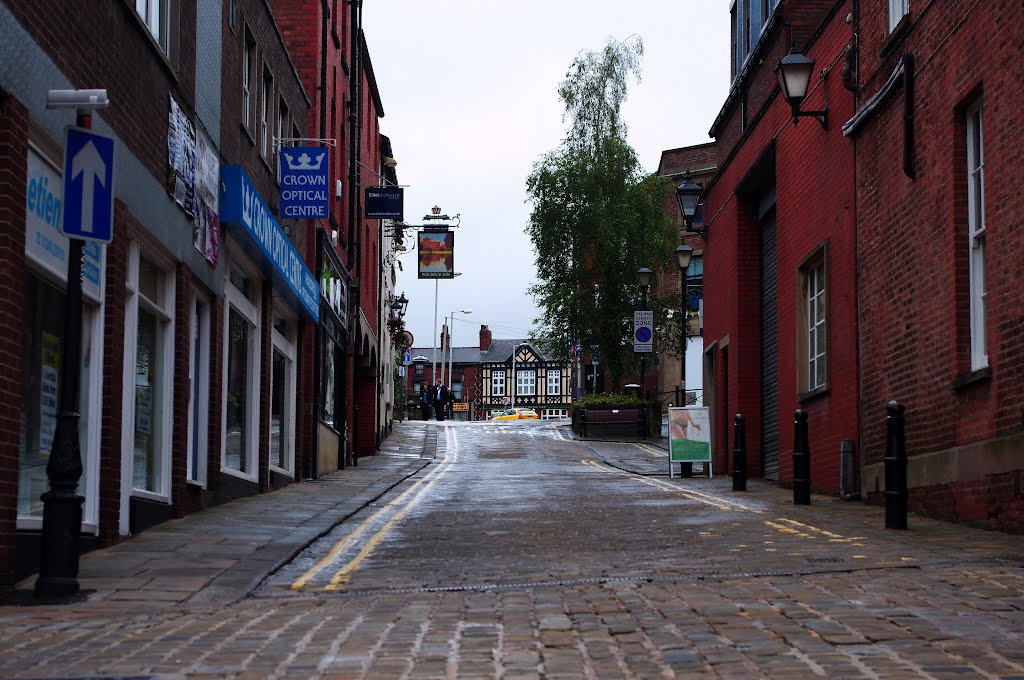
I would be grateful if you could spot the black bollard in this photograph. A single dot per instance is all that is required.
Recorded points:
(739, 455)
(895, 468)
(801, 460)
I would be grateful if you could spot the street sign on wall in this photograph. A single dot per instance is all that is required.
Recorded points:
(304, 177)
(384, 203)
(643, 331)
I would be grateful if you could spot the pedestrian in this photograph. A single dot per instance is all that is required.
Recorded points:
(425, 402)
(440, 400)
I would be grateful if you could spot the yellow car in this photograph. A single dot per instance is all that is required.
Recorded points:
(518, 414)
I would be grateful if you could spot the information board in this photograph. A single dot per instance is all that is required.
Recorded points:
(689, 436)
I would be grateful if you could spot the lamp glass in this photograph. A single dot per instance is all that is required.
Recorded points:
(683, 255)
(794, 74)
(644, 276)
(687, 195)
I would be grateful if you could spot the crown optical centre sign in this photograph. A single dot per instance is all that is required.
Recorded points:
(304, 179)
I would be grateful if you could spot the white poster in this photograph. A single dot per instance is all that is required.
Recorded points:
(206, 230)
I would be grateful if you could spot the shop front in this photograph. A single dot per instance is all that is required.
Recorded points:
(330, 369)
(270, 300)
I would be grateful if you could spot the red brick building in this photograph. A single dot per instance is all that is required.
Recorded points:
(779, 261)
(350, 359)
(940, 251)
(191, 330)
(700, 162)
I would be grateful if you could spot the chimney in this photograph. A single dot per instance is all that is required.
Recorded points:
(485, 338)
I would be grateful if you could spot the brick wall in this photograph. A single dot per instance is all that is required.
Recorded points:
(14, 125)
(912, 247)
(811, 170)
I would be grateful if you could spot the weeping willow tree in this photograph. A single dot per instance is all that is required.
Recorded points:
(596, 216)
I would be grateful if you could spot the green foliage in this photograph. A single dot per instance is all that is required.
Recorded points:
(596, 216)
(613, 400)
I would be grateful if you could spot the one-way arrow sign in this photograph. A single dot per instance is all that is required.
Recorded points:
(88, 186)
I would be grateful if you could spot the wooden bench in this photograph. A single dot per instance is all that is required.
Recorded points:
(616, 416)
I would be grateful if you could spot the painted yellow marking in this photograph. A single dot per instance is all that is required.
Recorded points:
(810, 527)
(364, 526)
(342, 576)
(860, 557)
(783, 529)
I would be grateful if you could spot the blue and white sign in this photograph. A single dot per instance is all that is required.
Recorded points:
(44, 211)
(304, 178)
(88, 186)
(407, 357)
(384, 203)
(643, 331)
(241, 204)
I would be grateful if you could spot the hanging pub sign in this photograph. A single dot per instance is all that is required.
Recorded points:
(436, 255)
(384, 203)
(304, 178)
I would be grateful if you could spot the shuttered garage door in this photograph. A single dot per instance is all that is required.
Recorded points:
(769, 350)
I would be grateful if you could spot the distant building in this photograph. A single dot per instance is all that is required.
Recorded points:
(493, 376)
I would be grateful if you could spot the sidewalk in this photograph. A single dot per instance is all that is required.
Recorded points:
(219, 555)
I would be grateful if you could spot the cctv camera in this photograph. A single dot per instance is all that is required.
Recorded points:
(77, 99)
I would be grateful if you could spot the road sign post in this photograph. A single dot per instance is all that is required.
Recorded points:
(88, 215)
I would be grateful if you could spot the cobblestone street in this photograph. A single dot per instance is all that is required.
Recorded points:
(514, 550)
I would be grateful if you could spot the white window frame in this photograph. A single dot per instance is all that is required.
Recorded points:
(286, 346)
(498, 383)
(199, 366)
(816, 337)
(266, 89)
(154, 14)
(165, 313)
(897, 10)
(555, 381)
(526, 379)
(250, 311)
(976, 234)
(248, 53)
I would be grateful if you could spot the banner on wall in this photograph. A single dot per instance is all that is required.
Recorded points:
(181, 157)
(436, 255)
(206, 229)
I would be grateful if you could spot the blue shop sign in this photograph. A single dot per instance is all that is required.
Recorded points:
(241, 204)
(304, 181)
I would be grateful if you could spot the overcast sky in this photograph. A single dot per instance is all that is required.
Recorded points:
(469, 89)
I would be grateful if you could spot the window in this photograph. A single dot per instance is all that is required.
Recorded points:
(526, 382)
(282, 393)
(149, 364)
(419, 368)
(199, 398)
(457, 390)
(897, 10)
(554, 381)
(248, 69)
(747, 20)
(282, 116)
(976, 234)
(242, 370)
(813, 326)
(498, 383)
(154, 14)
(265, 113)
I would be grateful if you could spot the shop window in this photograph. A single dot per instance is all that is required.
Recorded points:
(149, 364)
(241, 379)
(282, 395)
(42, 354)
(199, 398)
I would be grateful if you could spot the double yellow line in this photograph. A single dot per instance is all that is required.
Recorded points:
(717, 502)
(397, 512)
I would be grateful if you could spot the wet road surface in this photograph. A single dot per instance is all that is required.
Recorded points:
(520, 552)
